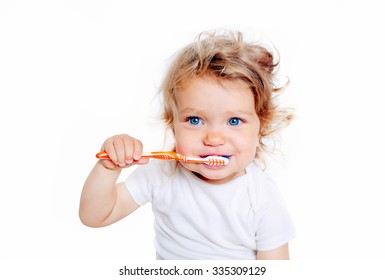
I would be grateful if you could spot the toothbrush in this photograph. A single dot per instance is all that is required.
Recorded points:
(209, 160)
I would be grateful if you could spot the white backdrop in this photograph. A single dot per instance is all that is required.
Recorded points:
(73, 73)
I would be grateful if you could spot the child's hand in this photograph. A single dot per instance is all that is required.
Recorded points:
(123, 151)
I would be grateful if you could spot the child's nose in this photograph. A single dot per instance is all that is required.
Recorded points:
(214, 138)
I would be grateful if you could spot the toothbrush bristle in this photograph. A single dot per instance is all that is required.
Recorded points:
(216, 160)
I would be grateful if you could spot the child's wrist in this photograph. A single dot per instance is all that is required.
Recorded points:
(110, 168)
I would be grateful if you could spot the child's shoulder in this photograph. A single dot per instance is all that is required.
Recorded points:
(256, 168)
(261, 179)
(264, 192)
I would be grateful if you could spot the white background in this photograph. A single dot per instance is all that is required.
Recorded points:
(73, 73)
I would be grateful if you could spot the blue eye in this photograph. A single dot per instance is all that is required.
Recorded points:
(234, 121)
(194, 120)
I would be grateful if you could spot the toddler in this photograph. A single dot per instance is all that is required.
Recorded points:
(218, 102)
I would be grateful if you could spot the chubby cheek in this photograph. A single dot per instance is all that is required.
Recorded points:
(180, 148)
(182, 143)
(248, 146)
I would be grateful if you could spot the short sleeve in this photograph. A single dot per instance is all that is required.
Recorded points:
(142, 181)
(274, 224)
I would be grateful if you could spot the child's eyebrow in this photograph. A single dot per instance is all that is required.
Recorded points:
(241, 112)
(191, 111)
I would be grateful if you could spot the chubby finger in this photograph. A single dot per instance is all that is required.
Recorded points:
(109, 148)
(128, 150)
(138, 150)
(142, 161)
(119, 151)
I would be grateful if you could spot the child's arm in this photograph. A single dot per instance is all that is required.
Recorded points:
(280, 253)
(103, 201)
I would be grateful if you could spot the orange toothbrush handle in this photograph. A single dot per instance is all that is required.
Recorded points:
(210, 160)
(158, 155)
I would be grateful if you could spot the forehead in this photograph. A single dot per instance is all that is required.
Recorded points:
(213, 92)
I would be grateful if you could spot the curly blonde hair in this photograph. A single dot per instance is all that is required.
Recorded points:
(225, 55)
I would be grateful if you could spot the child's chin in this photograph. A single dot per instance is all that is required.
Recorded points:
(215, 178)
(224, 177)
(213, 175)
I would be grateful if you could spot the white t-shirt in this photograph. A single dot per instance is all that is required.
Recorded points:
(198, 220)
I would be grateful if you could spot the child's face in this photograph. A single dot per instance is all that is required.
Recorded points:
(217, 119)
